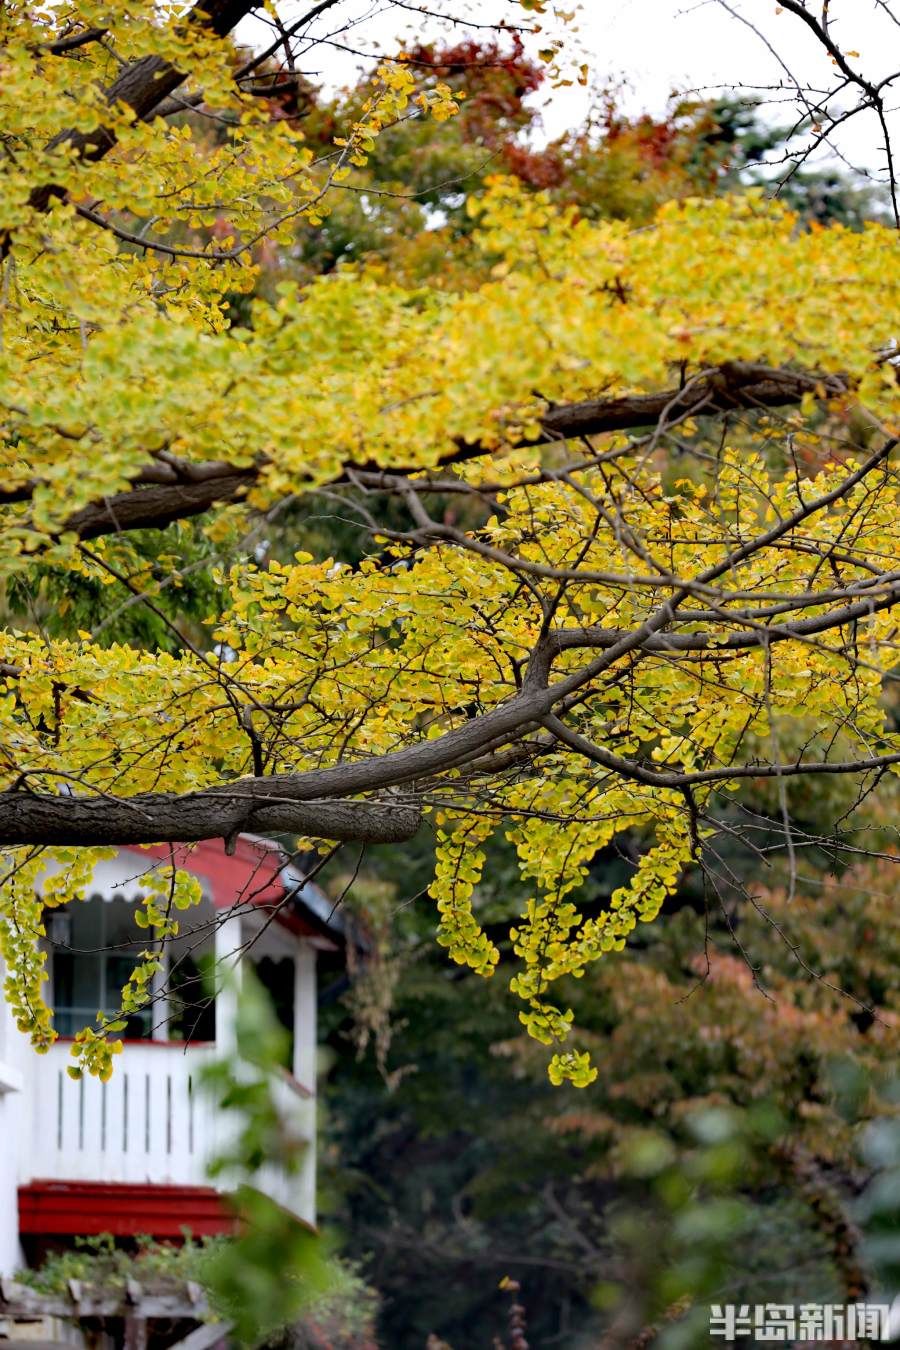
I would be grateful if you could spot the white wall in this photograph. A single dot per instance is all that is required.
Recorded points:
(12, 1045)
(52, 1127)
(304, 1066)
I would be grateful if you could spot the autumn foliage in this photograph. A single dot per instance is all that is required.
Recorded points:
(596, 644)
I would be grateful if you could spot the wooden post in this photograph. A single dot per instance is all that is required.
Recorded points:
(135, 1325)
(135, 1333)
(227, 978)
(159, 1003)
(304, 1065)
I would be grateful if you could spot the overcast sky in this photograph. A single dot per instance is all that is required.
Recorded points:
(661, 45)
(657, 46)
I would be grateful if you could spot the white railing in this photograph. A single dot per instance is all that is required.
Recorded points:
(149, 1124)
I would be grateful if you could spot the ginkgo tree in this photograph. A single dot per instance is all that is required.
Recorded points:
(673, 566)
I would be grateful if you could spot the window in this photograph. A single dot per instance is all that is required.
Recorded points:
(276, 975)
(93, 956)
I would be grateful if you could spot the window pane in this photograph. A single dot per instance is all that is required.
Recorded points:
(119, 927)
(89, 974)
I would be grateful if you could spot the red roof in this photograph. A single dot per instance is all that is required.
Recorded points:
(251, 875)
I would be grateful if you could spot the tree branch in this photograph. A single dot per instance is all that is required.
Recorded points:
(249, 806)
(141, 86)
(158, 505)
(294, 802)
(651, 776)
(734, 385)
(567, 639)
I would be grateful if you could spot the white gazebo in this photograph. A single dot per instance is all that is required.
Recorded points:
(130, 1156)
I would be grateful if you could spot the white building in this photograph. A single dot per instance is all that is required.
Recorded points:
(129, 1156)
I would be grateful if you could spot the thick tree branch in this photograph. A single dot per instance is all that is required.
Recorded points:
(159, 504)
(735, 385)
(246, 807)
